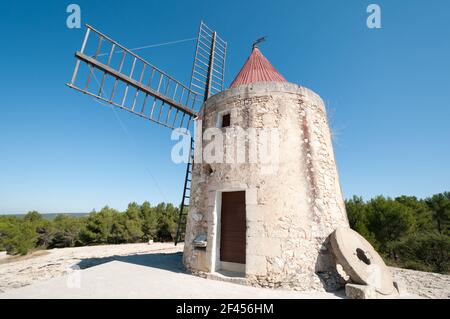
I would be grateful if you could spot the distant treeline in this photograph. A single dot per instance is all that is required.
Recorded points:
(408, 232)
(49, 216)
(139, 223)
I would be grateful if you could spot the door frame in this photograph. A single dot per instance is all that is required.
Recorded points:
(217, 264)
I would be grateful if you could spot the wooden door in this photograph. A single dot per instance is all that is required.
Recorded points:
(233, 227)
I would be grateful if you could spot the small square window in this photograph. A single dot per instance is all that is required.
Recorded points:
(226, 120)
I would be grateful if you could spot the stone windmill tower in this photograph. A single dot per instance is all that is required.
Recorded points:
(264, 213)
(269, 227)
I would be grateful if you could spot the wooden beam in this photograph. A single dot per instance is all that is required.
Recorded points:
(136, 84)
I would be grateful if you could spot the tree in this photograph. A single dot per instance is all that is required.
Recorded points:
(67, 231)
(17, 236)
(149, 222)
(133, 224)
(43, 228)
(117, 235)
(389, 221)
(6, 231)
(45, 231)
(357, 213)
(99, 226)
(422, 213)
(33, 217)
(440, 206)
(167, 226)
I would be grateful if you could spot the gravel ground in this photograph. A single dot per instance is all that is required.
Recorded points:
(17, 272)
(424, 284)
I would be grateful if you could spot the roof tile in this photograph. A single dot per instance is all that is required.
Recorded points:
(257, 69)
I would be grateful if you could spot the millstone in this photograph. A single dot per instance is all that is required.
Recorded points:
(360, 260)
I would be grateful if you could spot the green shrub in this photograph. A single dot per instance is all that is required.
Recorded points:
(17, 237)
(424, 251)
(66, 231)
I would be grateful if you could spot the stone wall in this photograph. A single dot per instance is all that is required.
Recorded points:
(290, 211)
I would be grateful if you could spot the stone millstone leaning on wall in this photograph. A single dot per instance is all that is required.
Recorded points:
(290, 209)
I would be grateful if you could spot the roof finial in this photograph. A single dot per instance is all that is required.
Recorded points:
(258, 41)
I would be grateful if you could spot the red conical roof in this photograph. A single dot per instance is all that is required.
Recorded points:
(257, 69)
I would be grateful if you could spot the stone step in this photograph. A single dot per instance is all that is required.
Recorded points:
(228, 276)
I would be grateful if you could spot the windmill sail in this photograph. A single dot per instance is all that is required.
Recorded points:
(113, 74)
(208, 71)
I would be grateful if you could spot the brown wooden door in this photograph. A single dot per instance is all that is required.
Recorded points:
(233, 228)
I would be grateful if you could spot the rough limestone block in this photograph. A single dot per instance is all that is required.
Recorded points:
(202, 261)
(353, 291)
(255, 228)
(253, 213)
(256, 265)
(264, 246)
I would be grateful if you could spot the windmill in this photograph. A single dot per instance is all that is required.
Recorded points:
(266, 228)
(129, 82)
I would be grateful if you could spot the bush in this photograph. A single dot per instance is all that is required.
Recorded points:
(65, 231)
(17, 236)
(424, 251)
(167, 226)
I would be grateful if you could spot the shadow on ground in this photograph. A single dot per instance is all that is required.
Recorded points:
(170, 261)
(166, 261)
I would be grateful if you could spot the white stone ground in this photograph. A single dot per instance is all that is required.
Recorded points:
(142, 271)
(16, 272)
(138, 271)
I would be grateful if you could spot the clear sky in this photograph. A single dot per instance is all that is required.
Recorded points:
(387, 92)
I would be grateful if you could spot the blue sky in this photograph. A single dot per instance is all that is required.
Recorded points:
(387, 93)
